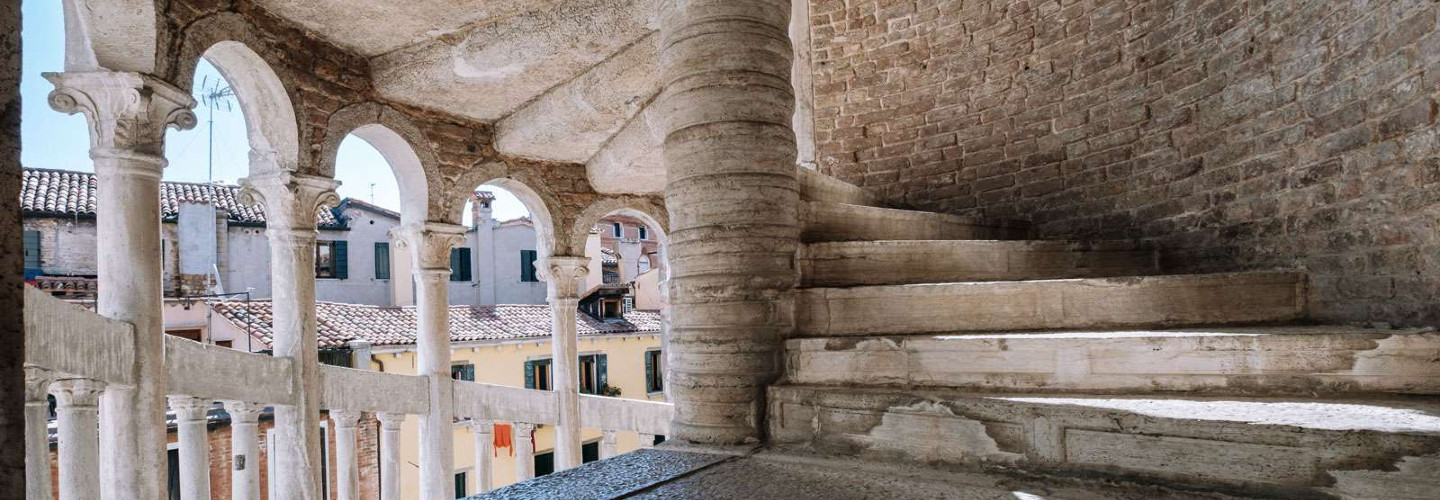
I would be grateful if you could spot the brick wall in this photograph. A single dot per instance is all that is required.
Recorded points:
(1234, 134)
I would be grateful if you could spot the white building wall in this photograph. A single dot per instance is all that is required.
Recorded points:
(360, 285)
(497, 267)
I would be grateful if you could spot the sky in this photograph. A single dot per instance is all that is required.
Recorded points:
(50, 139)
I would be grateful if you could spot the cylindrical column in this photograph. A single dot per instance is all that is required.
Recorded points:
(564, 276)
(390, 455)
(128, 114)
(190, 415)
(734, 210)
(607, 444)
(244, 449)
(347, 465)
(78, 425)
(524, 450)
(37, 433)
(484, 444)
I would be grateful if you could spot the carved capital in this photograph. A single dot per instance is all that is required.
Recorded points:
(345, 419)
(242, 412)
(127, 112)
(523, 430)
(482, 426)
(390, 421)
(189, 408)
(564, 275)
(291, 201)
(429, 243)
(37, 384)
(77, 392)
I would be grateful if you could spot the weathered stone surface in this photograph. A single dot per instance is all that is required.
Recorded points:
(854, 263)
(815, 186)
(840, 222)
(12, 258)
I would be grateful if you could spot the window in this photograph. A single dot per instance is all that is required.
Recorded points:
(172, 461)
(629, 304)
(537, 374)
(592, 374)
(610, 309)
(330, 260)
(459, 264)
(644, 263)
(654, 371)
(32, 251)
(544, 463)
(527, 266)
(617, 230)
(464, 372)
(644, 235)
(382, 260)
(460, 483)
(589, 452)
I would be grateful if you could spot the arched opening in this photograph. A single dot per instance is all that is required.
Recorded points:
(269, 117)
(510, 234)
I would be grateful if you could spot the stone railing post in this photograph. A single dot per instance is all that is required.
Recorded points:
(77, 424)
(290, 202)
(190, 425)
(244, 449)
(484, 431)
(607, 444)
(127, 114)
(37, 433)
(564, 275)
(390, 455)
(734, 208)
(429, 245)
(524, 450)
(347, 465)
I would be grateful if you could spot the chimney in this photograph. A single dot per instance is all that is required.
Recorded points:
(480, 209)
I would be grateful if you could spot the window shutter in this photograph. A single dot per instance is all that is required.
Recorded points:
(32, 249)
(527, 265)
(464, 264)
(454, 264)
(469, 373)
(600, 379)
(529, 374)
(342, 263)
(649, 371)
(382, 260)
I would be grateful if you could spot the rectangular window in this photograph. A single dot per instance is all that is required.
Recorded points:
(629, 304)
(527, 266)
(654, 371)
(32, 250)
(617, 229)
(460, 264)
(461, 481)
(464, 372)
(382, 260)
(643, 233)
(172, 460)
(537, 374)
(330, 259)
(544, 463)
(592, 374)
(589, 452)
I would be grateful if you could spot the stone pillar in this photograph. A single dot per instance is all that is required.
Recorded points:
(647, 440)
(564, 275)
(347, 465)
(429, 244)
(290, 202)
(127, 114)
(190, 415)
(524, 450)
(390, 455)
(484, 431)
(244, 449)
(607, 444)
(77, 425)
(734, 210)
(37, 433)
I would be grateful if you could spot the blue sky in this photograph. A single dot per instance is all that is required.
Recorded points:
(50, 139)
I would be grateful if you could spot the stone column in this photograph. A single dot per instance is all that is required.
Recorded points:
(390, 455)
(484, 431)
(77, 426)
(564, 275)
(347, 465)
(127, 114)
(429, 244)
(37, 433)
(734, 210)
(524, 450)
(244, 449)
(290, 202)
(607, 444)
(190, 415)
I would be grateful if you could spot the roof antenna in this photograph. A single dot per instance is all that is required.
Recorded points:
(372, 193)
(216, 96)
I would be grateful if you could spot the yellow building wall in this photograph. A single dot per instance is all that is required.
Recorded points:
(504, 364)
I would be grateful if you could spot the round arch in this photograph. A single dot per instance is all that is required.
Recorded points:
(646, 209)
(539, 211)
(270, 122)
(403, 146)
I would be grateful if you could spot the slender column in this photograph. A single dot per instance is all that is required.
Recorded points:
(244, 449)
(524, 450)
(190, 415)
(429, 244)
(647, 440)
(564, 275)
(390, 455)
(347, 466)
(607, 444)
(290, 202)
(77, 419)
(127, 114)
(484, 431)
(734, 210)
(37, 433)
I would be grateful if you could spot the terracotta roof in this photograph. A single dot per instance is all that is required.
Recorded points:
(340, 323)
(365, 205)
(69, 193)
(522, 221)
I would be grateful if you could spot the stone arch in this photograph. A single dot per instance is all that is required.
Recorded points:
(647, 209)
(404, 148)
(539, 203)
(111, 35)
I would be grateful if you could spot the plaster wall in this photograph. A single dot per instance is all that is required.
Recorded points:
(496, 267)
(67, 245)
(360, 286)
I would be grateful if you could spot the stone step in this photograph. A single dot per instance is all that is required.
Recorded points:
(1286, 448)
(825, 221)
(901, 262)
(815, 186)
(1090, 303)
(1300, 360)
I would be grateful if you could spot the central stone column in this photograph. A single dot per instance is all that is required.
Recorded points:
(290, 201)
(190, 425)
(429, 244)
(734, 210)
(390, 454)
(127, 114)
(564, 275)
(244, 449)
(77, 449)
(347, 465)
(37, 433)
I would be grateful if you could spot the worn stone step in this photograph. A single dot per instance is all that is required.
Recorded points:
(1285, 448)
(825, 221)
(1223, 360)
(815, 186)
(1089, 303)
(899, 262)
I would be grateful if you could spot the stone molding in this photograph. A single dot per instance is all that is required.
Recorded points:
(290, 200)
(37, 384)
(565, 275)
(482, 426)
(429, 243)
(242, 412)
(77, 392)
(390, 421)
(189, 408)
(127, 112)
(345, 419)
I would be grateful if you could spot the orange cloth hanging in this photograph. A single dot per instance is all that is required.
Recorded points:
(504, 438)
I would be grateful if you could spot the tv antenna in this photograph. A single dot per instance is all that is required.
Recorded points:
(216, 97)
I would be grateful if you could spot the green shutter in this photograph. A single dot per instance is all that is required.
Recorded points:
(454, 264)
(649, 371)
(527, 265)
(460, 485)
(600, 379)
(468, 374)
(342, 263)
(382, 260)
(32, 249)
(530, 374)
(464, 264)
